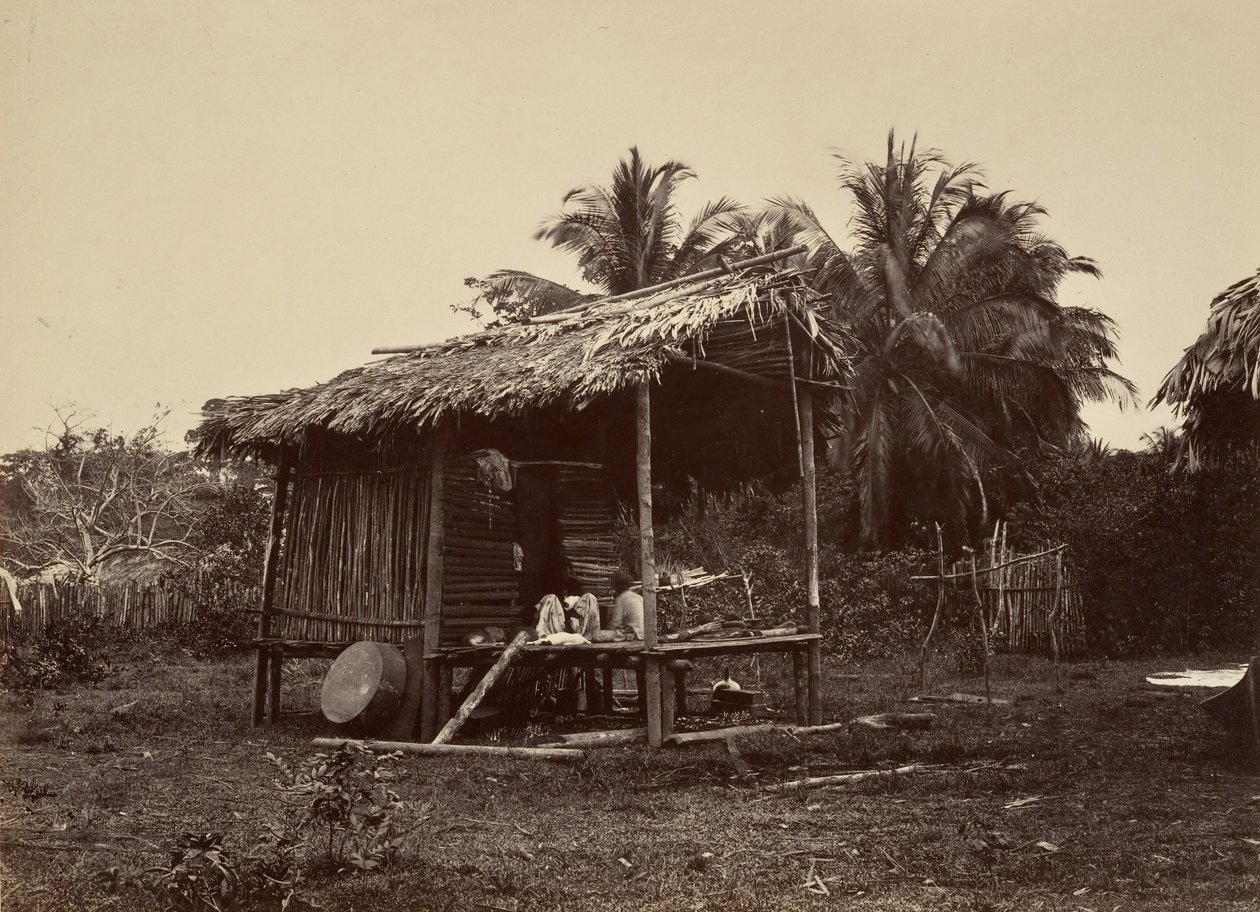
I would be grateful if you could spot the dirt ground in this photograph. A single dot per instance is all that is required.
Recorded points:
(1113, 795)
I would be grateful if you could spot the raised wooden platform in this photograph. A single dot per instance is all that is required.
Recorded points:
(669, 658)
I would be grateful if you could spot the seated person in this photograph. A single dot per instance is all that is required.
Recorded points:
(627, 610)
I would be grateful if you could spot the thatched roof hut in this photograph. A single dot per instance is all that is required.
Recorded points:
(565, 361)
(441, 489)
(1216, 384)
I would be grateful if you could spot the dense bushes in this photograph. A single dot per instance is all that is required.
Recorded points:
(869, 606)
(1165, 561)
(70, 650)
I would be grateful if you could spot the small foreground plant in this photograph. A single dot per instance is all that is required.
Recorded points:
(346, 803)
(200, 875)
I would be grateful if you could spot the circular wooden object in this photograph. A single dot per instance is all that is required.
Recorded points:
(365, 683)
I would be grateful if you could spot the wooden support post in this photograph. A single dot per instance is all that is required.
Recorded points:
(800, 678)
(428, 704)
(444, 694)
(668, 706)
(433, 575)
(652, 701)
(273, 690)
(679, 672)
(271, 561)
(606, 698)
(809, 502)
(589, 687)
(262, 664)
(651, 692)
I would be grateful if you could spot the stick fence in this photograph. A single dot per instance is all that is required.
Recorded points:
(133, 605)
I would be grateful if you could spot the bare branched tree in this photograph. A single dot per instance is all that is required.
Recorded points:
(90, 497)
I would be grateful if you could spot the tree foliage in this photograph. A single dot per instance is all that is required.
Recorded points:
(1165, 560)
(91, 497)
(626, 235)
(93, 501)
(964, 357)
(1215, 387)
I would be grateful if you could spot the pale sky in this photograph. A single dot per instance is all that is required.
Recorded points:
(205, 199)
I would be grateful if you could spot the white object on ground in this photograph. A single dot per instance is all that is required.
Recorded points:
(1199, 677)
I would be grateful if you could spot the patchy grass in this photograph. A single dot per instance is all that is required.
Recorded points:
(1142, 803)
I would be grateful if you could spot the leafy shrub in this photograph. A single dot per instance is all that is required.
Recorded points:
(273, 872)
(69, 651)
(345, 799)
(200, 875)
(222, 622)
(869, 607)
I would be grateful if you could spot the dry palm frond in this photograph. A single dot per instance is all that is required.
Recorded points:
(1216, 384)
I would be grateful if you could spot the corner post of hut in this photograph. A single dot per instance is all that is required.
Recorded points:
(647, 560)
(264, 675)
(809, 504)
(433, 574)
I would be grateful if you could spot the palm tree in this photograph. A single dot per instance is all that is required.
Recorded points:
(626, 236)
(963, 355)
(1164, 443)
(1215, 387)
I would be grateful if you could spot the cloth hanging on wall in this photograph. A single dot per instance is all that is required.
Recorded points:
(494, 471)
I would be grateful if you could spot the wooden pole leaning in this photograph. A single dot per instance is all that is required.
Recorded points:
(647, 560)
(262, 682)
(450, 729)
(809, 503)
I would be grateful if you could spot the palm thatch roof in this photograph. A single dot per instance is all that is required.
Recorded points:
(567, 359)
(1216, 384)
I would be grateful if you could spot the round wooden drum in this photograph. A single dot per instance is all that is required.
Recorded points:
(364, 684)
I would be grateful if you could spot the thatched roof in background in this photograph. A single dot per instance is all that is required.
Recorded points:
(512, 369)
(1216, 384)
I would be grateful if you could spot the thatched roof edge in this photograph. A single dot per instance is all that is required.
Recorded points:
(515, 368)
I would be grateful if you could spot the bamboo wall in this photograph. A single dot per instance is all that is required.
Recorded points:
(586, 518)
(480, 584)
(352, 563)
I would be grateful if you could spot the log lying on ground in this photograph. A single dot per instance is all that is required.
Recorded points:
(956, 698)
(840, 779)
(600, 738)
(882, 721)
(722, 734)
(483, 750)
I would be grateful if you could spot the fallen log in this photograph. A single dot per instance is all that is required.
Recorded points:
(721, 734)
(599, 738)
(840, 779)
(883, 721)
(483, 750)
